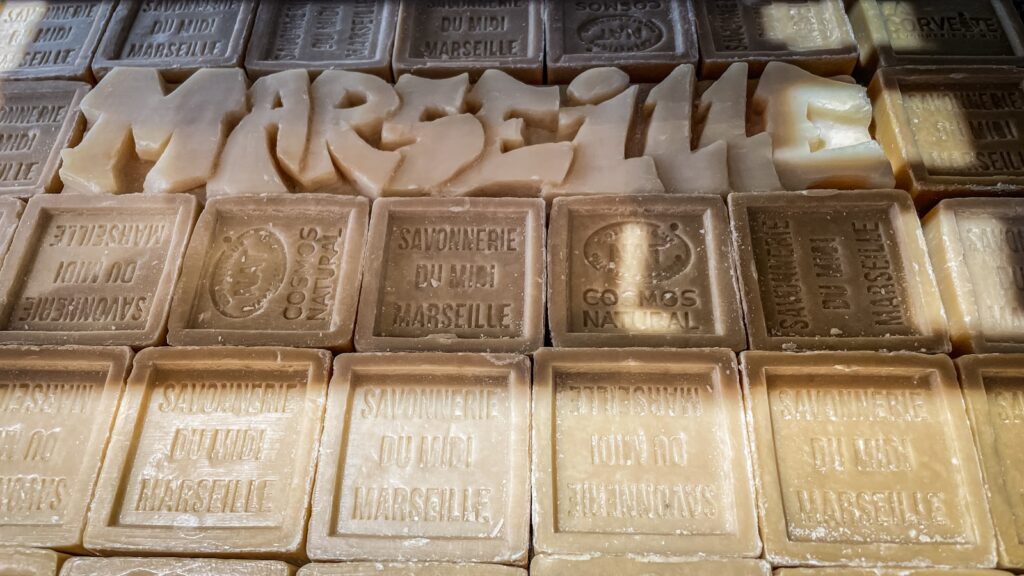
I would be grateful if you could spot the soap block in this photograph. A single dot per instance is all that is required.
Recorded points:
(611, 566)
(178, 37)
(408, 569)
(886, 572)
(318, 35)
(865, 459)
(645, 39)
(993, 385)
(836, 270)
(641, 452)
(453, 275)
(442, 438)
(176, 566)
(272, 271)
(51, 40)
(30, 561)
(812, 34)
(10, 213)
(952, 131)
(443, 39)
(93, 270)
(212, 454)
(653, 270)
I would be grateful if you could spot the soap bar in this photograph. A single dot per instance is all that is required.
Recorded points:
(610, 566)
(178, 37)
(865, 459)
(272, 271)
(56, 409)
(93, 270)
(836, 270)
(319, 35)
(442, 39)
(646, 39)
(886, 572)
(51, 40)
(937, 32)
(993, 385)
(654, 270)
(408, 569)
(444, 440)
(30, 561)
(952, 131)
(10, 213)
(174, 566)
(453, 275)
(813, 34)
(212, 454)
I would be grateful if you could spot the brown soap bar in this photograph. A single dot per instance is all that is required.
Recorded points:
(830, 270)
(176, 36)
(443, 439)
(30, 561)
(408, 569)
(320, 35)
(272, 271)
(642, 271)
(10, 213)
(52, 40)
(952, 131)
(993, 385)
(865, 459)
(611, 566)
(56, 409)
(645, 39)
(453, 275)
(174, 566)
(86, 269)
(936, 32)
(212, 454)
(886, 572)
(443, 39)
(813, 34)
(662, 426)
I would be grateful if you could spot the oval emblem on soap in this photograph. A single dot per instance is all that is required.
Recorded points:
(638, 251)
(611, 34)
(248, 272)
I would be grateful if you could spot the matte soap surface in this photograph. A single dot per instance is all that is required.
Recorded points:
(610, 566)
(53, 40)
(408, 569)
(174, 567)
(29, 561)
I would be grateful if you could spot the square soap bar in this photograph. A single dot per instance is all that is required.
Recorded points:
(952, 131)
(993, 385)
(96, 270)
(56, 409)
(865, 459)
(10, 213)
(653, 270)
(443, 39)
(408, 569)
(813, 34)
(611, 566)
(175, 566)
(30, 561)
(272, 271)
(212, 454)
(176, 36)
(829, 270)
(320, 35)
(641, 452)
(52, 40)
(425, 457)
(453, 275)
(645, 39)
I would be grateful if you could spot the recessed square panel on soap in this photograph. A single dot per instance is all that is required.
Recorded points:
(408, 569)
(611, 566)
(30, 561)
(177, 566)
(51, 40)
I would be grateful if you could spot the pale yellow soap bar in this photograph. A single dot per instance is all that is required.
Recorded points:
(174, 567)
(554, 566)
(29, 561)
(408, 569)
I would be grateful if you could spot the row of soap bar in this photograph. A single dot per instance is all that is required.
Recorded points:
(832, 459)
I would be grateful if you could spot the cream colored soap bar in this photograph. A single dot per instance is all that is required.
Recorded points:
(212, 454)
(174, 567)
(553, 566)
(885, 572)
(29, 561)
(408, 569)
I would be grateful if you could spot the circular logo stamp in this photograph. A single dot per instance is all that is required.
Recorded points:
(248, 272)
(638, 251)
(611, 34)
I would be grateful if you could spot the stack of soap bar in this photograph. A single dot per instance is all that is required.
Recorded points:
(993, 385)
(865, 459)
(10, 212)
(813, 34)
(51, 40)
(952, 132)
(641, 452)
(836, 271)
(322, 35)
(408, 569)
(178, 566)
(212, 454)
(611, 566)
(646, 39)
(30, 561)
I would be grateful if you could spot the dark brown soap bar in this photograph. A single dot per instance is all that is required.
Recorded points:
(176, 36)
(323, 35)
(50, 40)
(443, 39)
(647, 39)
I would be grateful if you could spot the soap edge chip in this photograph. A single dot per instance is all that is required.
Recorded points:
(180, 333)
(171, 69)
(532, 336)
(933, 332)
(552, 565)
(778, 549)
(726, 307)
(972, 368)
(379, 65)
(81, 69)
(44, 562)
(112, 566)
(10, 213)
(20, 258)
(285, 542)
(721, 362)
(404, 568)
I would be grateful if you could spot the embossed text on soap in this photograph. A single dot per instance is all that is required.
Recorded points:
(993, 249)
(179, 29)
